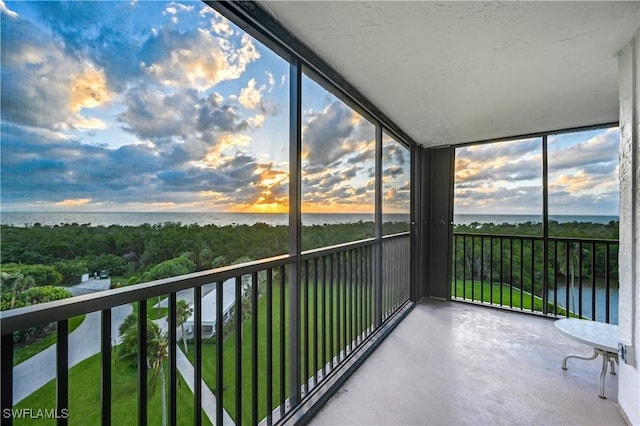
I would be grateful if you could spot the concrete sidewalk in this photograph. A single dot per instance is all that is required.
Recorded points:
(186, 370)
(209, 404)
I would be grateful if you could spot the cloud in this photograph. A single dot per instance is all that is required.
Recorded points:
(271, 79)
(197, 59)
(47, 85)
(499, 200)
(66, 172)
(501, 150)
(89, 90)
(498, 177)
(174, 8)
(219, 24)
(393, 171)
(363, 156)
(396, 176)
(350, 172)
(601, 148)
(201, 126)
(36, 78)
(499, 163)
(393, 152)
(338, 148)
(256, 121)
(5, 10)
(250, 96)
(99, 112)
(325, 133)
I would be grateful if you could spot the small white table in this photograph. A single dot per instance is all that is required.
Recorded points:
(602, 337)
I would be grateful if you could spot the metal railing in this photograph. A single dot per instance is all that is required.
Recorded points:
(579, 277)
(343, 302)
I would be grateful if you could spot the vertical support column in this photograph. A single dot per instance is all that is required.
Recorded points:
(420, 159)
(197, 355)
(545, 228)
(62, 372)
(173, 355)
(295, 225)
(105, 376)
(440, 227)
(142, 362)
(219, 351)
(6, 393)
(416, 223)
(377, 292)
(629, 255)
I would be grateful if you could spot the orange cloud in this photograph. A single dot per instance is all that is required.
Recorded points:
(89, 90)
(74, 202)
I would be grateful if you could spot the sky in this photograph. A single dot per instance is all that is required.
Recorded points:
(167, 106)
(506, 177)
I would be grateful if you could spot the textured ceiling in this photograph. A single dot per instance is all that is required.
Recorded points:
(456, 72)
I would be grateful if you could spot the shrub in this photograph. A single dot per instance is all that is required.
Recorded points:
(42, 275)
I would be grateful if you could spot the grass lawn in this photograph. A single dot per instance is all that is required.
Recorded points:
(511, 296)
(21, 353)
(84, 397)
(209, 354)
(153, 313)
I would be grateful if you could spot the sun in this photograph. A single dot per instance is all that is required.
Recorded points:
(268, 208)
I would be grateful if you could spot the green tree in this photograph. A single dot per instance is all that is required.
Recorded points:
(116, 265)
(183, 312)
(170, 268)
(71, 270)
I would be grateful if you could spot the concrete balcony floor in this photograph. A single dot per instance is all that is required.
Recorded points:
(452, 363)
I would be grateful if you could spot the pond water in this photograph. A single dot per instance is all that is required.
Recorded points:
(587, 297)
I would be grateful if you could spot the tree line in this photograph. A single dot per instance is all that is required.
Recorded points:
(61, 254)
(490, 254)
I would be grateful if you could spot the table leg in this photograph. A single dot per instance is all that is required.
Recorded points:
(603, 373)
(564, 361)
(612, 362)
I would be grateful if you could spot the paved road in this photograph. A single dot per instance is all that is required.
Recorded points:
(90, 286)
(84, 341)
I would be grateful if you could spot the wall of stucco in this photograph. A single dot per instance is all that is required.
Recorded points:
(629, 320)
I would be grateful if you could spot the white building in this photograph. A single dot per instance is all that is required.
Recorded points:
(209, 311)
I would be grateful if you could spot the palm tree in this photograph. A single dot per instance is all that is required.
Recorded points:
(183, 312)
(568, 266)
(16, 282)
(157, 352)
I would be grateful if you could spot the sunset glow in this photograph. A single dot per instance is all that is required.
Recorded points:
(152, 106)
